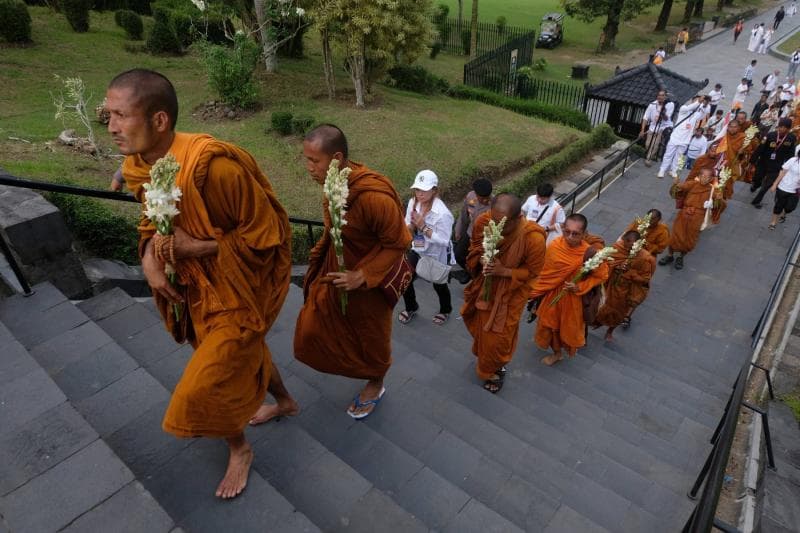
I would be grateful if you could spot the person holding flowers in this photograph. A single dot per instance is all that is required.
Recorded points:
(225, 245)
(496, 296)
(560, 287)
(632, 268)
(353, 340)
(656, 233)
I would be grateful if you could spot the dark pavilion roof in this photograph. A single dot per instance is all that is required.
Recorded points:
(639, 86)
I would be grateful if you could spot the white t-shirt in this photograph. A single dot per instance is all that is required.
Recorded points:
(697, 147)
(791, 180)
(684, 129)
(715, 96)
(772, 79)
(651, 116)
(787, 92)
(553, 217)
(440, 219)
(741, 92)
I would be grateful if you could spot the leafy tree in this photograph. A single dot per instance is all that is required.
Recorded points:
(614, 10)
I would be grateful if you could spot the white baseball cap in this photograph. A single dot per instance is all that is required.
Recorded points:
(425, 180)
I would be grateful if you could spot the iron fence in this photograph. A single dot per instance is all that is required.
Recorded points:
(552, 92)
(454, 36)
(497, 70)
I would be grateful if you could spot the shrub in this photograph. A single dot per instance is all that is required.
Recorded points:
(103, 232)
(301, 124)
(440, 22)
(141, 7)
(15, 21)
(77, 13)
(163, 39)
(501, 23)
(131, 22)
(435, 49)
(466, 37)
(552, 167)
(531, 108)
(230, 70)
(281, 122)
(109, 5)
(415, 78)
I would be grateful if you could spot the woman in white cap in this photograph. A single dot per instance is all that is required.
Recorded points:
(431, 225)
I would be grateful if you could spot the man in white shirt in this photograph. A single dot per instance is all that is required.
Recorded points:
(788, 92)
(771, 82)
(794, 62)
(543, 209)
(657, 118)
(716, 95)
(742, 90)
(688, 116)
(698, 145)
(785, 189)
(750, 71)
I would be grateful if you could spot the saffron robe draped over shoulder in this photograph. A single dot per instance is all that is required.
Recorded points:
(232, 298)
(494, 324)
(625, 289)
(686, 227)
(358, 343)
(657, 238)
(561, 325)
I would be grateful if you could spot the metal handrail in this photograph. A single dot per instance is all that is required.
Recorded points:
(14, 181)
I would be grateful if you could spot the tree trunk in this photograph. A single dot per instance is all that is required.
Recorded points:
(327, 58)
(358, 73)
(698, 8)
(473, 39)
(663, 17)
(460, 14)
(687, 13)
(720, 3)
(268, 44)
(609, 34)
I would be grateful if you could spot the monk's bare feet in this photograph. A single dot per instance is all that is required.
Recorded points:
(368, 400)
(269, 411)
(609, 336)
(235, 479)
(552, 359)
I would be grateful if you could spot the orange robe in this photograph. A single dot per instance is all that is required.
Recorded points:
(686, 227)
(595, 241)
(233, 297)
(656, 240)
(561, 325)
(625, 290)
(494, 324)
(358, 343)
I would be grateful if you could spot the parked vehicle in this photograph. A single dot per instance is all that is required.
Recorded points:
(551, 31)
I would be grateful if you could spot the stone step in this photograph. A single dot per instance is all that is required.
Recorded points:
(117, 400)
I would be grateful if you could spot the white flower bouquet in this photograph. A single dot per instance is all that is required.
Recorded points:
(588, 266)
(492, 235)
(336, 192)
(160, 206)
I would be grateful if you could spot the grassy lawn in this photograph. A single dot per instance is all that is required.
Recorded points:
(399, 134)
(791, 44)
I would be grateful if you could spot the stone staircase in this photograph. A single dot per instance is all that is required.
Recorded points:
(609, 441)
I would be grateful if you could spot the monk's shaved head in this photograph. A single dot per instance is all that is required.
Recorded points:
(631, 236)
(508, 204)
(655, 215)
(153, 92)
(582, 220)
(330, 139)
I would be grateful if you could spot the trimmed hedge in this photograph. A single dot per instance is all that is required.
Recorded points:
(281, 122)
(163, 39)
(15, 21)
(531, 108)
(131, 22)
(552, 167)
(77, 13)
(415, 78)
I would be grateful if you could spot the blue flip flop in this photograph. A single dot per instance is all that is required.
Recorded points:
(359, 404)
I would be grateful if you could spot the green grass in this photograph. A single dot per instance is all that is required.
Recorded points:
(793, 401)
(398, 134)
(791, 44)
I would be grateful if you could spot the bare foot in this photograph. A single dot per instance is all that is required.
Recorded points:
(268, 411)
(235, 479)
(552, 359)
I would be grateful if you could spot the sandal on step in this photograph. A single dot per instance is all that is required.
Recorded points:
(440, 318)
(771, 226)
(626, 322)
(782, 219)
(495, 383)
(358, 404)
(406, 316)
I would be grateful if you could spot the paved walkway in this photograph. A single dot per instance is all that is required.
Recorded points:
(719, 60)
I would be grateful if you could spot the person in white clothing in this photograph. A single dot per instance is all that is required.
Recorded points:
(787, 94)
(698, 145)
(771, 82)
(785, 188)
(742, 90)
(750, 71)
(755, 37)
(543, 209)
(717, 122)
(794, 62)
(657, 118)
(764, 42)
(716, 96)
(689, 115)
(792, 9)
(431, 225)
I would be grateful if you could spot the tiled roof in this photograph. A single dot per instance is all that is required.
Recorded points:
(639, 85)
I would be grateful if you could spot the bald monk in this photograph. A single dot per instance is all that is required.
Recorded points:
(561, 326)
(356, 344)
(657, 237)
(494, 324)
(686, 227)
(231, 252)
(627, 285)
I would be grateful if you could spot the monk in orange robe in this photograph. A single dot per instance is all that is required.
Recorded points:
(594, 241)
(230, 249)
(627, 285)
(357, 343)
(686, 227)
(561, 325)
(657, 237)
(494, 322)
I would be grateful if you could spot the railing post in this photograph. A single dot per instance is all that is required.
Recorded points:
(767, 434)
(602, 175)
(625, 163)
(769, 379)
(12, 262)
(702, 476)
(310, 236)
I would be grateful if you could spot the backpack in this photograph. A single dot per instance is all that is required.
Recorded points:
(764, 80)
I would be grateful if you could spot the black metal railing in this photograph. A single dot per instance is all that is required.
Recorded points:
(497, 70)
(454, 37)
(14, 181)
(551, 92)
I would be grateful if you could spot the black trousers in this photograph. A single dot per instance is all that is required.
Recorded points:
(764, 184)
(442, 291)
